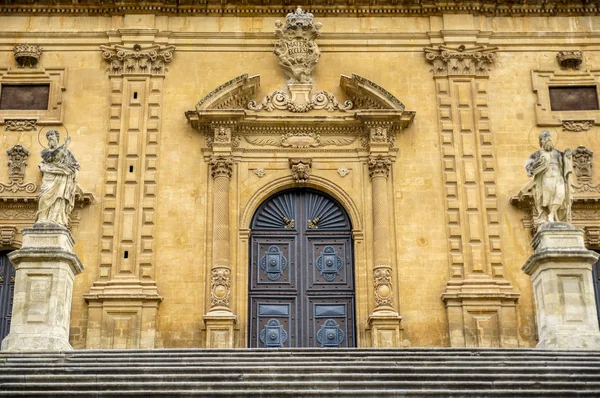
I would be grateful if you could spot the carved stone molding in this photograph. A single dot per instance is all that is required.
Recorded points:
(27, 55)
(448, 61)
(577, 125)
(151, 60)
(569, 59)
(20, 125)
(379, 166)
(296, 48)
(300, 169)
(583, 163)
(221, 166)
(220, 287)
(592, 236)
(382, 283)
(349, 8)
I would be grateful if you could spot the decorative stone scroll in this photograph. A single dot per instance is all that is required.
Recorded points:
(17, 162)
(20, 125)
(577, 125)
(582, 163)
(296, 48)
(151, 60)
(569, 59)
(282, 101)
(460, 60)
(27, 55)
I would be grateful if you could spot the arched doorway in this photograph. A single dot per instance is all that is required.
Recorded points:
(301, 289)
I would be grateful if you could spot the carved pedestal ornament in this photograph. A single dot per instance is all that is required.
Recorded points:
(480, 302)
(27, 55)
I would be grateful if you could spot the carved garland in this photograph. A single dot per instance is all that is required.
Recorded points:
(280, 100)
(220, 282)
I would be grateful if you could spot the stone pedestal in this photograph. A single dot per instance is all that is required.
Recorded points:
(219, 329)
(561, 272)
(385, 329)
(45, 267)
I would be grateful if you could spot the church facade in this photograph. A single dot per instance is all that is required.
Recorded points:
(265, 175)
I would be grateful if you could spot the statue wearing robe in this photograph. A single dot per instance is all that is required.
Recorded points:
(552, 172)
(59, 182)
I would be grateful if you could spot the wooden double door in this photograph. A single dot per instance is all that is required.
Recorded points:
(301, 291)
(7, 289)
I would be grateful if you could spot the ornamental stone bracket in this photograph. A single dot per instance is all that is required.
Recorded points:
(448, 61)
(27, 55)
(137, 59)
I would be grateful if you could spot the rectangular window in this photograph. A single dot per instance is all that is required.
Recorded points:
(24, 96)
(574, 98)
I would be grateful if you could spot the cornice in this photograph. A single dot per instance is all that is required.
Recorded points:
(318, 7)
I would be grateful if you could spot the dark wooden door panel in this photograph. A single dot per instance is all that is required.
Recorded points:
(301, 273)
(7, 286)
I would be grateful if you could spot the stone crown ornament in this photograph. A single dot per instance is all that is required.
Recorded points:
(27, 55)
(297, 51)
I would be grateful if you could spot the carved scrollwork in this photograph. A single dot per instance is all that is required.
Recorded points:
(17, 161)
(220, 283)
(577, 125)
(137, 60)
(382, 284)
(20, 125)
(280, 100)
(582, 163)
(8, 234)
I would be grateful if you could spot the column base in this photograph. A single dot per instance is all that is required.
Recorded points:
(45, 268)
(219, 328)
(385, 329)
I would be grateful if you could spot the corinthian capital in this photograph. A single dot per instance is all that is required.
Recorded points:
(221, 166)
(462, 61)
(379, 166)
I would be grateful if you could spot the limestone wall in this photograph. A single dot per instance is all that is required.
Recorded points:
(211, 50)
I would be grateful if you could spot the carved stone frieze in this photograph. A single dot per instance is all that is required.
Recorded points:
(569, 59)
(582, 163)
(300, 169)
(27, 55)
(220, 287)
(151, 60)
(300, 136)
(383, 287)
(379, 166)
(473, 61)
(221, 166)
(20, 125)
(577, 125)
(296, 48)
(280, 100)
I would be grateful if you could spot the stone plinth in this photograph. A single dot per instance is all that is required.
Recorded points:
(219, 329)
(385, 329)
(561, 272)
(45, 267)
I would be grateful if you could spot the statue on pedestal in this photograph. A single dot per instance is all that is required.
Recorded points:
(59, 182)
(552, 184)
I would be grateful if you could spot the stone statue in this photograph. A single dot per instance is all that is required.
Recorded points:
(552, 184)
(59, 182)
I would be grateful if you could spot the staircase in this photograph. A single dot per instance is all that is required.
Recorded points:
(302, 373)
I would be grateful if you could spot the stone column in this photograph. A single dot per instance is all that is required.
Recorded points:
(384, 321)
(45, 268)
(561, 273)
(220, 319)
